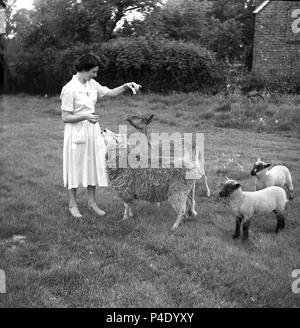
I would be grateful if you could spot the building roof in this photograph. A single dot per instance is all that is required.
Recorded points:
(259, 8)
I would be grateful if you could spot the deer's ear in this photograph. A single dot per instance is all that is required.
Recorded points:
(150, 118)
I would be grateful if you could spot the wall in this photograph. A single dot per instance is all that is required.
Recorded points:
(276, 46)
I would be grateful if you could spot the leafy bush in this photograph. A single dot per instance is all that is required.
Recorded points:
(45, 71)
(158, 64)
(284, 83)
(277, 83)
(162, 65)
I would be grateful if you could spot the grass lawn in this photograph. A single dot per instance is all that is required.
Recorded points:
(103, 262)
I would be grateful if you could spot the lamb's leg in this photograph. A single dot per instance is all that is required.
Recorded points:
(246, 226)
(290, 186)
(178, 202)
(280, 221)
(127, 212)
(289, 192)
(238, 222)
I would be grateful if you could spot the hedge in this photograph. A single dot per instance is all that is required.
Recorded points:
(159, 65)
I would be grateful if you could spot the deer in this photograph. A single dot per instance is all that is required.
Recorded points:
(251, 91)
(140, 122)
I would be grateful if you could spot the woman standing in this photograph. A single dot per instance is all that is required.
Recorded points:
(84, 148)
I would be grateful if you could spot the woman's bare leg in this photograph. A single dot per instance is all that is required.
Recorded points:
(92, 201)
(73, 207)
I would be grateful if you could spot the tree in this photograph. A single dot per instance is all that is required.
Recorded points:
(179, 20)
(223, 26)
(58, 23)
(63, 23)
(106, 14)
(224, 38)
(186, 20)
(241, 11)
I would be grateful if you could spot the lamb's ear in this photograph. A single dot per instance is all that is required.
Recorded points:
(267, 165)
(237, 186)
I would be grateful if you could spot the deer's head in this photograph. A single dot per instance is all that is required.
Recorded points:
(139, 121)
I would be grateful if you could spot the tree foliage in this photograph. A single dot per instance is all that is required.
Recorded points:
(223, 26)
(46, 39)
(61, 23)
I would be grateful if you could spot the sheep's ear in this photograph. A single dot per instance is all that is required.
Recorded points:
(267, 165)
(237, 186)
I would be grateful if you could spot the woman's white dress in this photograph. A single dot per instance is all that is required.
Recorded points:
(84, 147)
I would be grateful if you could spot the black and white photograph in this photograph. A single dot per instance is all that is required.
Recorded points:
(150, 157)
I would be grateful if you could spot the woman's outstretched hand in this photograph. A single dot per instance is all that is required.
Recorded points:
(92, 118)
(134, 87)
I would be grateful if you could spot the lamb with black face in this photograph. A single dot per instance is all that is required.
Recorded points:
(245, 204)
(259, 166)
(228, 188)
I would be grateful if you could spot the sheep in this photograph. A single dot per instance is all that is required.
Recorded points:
(152, 184)
(246, 204)
(278, 175)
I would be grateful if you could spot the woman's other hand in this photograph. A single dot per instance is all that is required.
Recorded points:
(92, 118)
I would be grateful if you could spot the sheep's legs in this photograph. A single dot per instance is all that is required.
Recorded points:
(179, 218)
(178, 202)
(127, 212)
(237, 227)
(280, 221)
(246, 226)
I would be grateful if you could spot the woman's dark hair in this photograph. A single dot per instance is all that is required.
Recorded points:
(86, 62)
